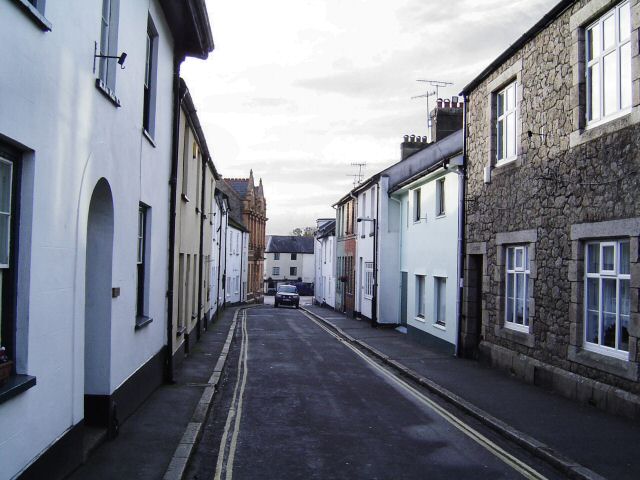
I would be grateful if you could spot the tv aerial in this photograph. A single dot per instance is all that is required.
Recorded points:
(437, 84)
(358, 177)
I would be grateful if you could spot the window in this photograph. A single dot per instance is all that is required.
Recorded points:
(506, 113)
(293, 271)
(276, 270)
(420, 284)
(186, 142)
(416, 205)
(516, 311)
(294, 256)
(364, 213)
(7, 327)
(276, 256)
(141, 261)
(440, 205)
(608, 69)
(368, 279)
(109, 43)
(440, 300)
(150, 72)
(607, 300)
(6, 177)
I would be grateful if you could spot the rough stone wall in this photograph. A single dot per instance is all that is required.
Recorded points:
(548, 189)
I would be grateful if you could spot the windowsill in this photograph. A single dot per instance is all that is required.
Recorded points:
(441, 216)
(181, 331)
(16, 384)
(142, 321)
(34, 14)
(440, 326)
(371, 234)
(606, 363)
(107, 92)
(184, 197)
(605, 120)
(514, 334)
(606, 126)
(197, 210)
(420, 319)
(506, 161)
(368, 297)
(607, 352)
(362, 236)
(148, 136)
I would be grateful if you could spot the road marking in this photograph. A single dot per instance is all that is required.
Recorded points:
(235, 411)
(515, 463)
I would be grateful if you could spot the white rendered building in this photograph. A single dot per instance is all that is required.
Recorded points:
(325, 265)
(236, 264)
(86, 148)
(289, 259)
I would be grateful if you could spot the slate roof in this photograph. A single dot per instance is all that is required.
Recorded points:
(289, 244)
(235, 202)
(240, 185)
(327, 228)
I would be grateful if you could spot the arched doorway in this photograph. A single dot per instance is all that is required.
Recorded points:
(97, 310)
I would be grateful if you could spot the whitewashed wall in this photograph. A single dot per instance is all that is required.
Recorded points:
(75, 137)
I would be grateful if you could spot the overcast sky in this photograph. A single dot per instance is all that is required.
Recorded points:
(298, 90)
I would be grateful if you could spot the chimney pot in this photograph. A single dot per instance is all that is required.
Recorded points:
(454, 100)
(406, 138)
(424, 139)
(413, 138)
(439, 103)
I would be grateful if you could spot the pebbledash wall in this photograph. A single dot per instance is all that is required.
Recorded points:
(569, 184)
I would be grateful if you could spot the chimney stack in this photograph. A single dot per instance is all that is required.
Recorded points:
(446, 118)
(412, 144)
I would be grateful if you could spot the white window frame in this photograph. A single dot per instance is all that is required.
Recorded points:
(421, 286)
(7, 214)
(440, 304)
(109, 43)
(600, 276)
(368, 280)
(622, 106)
(440, 198)
(276, 256)
(275, 271)
(150, 80)
(502, 120)
(516, 270)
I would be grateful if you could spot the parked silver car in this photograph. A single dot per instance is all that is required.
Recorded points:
(287, 295)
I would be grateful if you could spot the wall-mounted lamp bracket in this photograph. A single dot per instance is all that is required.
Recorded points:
(121, 58)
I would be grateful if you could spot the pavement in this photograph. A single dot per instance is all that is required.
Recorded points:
(580, 440)
(152, 438)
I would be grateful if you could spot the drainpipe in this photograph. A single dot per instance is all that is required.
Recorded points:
(224, 275)
(241, 262)
(203, 216)
(461, 224)
(218, 308)
(177, 101)
(376, 230)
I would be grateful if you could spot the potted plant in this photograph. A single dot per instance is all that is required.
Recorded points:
(5, 366)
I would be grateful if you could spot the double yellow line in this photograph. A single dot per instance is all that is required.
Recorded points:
(227, 451)
(521, 467)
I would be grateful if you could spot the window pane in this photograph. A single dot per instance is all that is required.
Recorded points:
(609, 87)
(593, 258)
(4, 239)
(625, 76)
(500, 140)
(625, 267)
(593, 42)
(623, 327)
(609, 32)
(593, 302)
(594, 91)
(511, 135)
(625, 22)
(520, 296)
(519, 258)
(500, 104)
(511, 97)
(609, 309)
(5, 187)
(510, 258)
(608, 258)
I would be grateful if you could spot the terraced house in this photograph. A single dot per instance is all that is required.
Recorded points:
(552, 205)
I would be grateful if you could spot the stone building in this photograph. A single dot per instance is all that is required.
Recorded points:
(552, 209)
(254, 213)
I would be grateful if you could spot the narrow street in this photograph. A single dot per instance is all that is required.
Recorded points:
(297, 402)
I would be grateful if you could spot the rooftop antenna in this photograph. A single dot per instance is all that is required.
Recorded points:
(438, 84)
(357, 177)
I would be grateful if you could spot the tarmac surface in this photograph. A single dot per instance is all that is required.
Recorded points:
(296, 402)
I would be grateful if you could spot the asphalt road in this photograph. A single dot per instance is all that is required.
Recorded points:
(298, 403)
